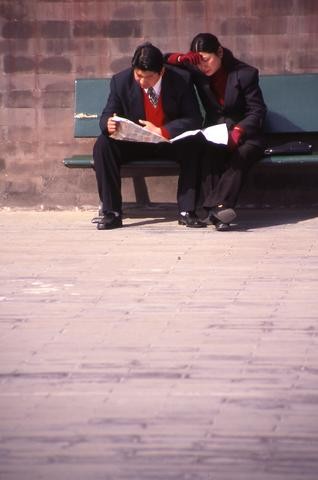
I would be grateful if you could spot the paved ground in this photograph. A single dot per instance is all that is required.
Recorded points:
(157, 352)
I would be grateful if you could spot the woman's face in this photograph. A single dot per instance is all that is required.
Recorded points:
(210, 62)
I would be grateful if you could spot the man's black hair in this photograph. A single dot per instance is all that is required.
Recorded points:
(148, 57)
(205, 42)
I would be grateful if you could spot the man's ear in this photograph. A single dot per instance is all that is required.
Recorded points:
(162, 71)
(220, 52)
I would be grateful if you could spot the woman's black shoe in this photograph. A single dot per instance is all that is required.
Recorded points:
(222, 227)
(223, 214)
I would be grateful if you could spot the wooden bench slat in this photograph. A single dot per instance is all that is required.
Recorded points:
(85, 161)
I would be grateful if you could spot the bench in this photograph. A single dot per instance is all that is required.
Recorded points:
(292, 115)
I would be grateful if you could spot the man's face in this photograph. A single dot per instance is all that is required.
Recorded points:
(146, 78)
(210, 62)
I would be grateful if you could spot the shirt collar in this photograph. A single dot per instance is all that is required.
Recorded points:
(156, 87)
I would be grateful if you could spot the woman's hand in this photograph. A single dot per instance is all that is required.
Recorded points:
(235, 138)
(192, 58)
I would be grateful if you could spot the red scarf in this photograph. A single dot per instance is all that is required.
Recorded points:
(218, 84)
(156, 114)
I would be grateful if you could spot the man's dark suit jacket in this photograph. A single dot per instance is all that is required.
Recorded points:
(179, 101)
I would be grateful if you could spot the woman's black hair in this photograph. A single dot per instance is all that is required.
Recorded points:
(205, 42)
(148, 57)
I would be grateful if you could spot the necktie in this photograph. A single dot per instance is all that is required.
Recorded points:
(153, 97)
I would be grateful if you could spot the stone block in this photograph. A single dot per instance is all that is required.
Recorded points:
(14, 64)
(57, 100)
(270, 8)
(305, 7)
(308, 61)
(24, 185)
(58, 46)
(14, 10)
(19, 46)
(123, 28)
(55, 64)
(120, 47)
(49, 117)
(55, 29)
(19, 81)
(306, 24)
(86, 28)
(59, 134)
(88, 46)
(59, 83)
(162, 189)
(164, 9)
(20, 99)
(130, 10)
(120, 63)
(59, 10)
(90, 65)
(153, 30)
(254, 26)
(19, 117)
(194, 8)
(20, 133)
(17, 29)
(215, 10)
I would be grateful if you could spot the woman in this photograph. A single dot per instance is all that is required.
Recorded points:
(230, 93)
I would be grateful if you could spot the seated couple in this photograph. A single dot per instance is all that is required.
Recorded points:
(160, 96)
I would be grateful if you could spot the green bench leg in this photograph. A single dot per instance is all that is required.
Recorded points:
(141, 191)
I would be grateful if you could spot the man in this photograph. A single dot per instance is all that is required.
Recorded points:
(173, 111)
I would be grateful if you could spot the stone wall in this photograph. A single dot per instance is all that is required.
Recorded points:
(46, 44)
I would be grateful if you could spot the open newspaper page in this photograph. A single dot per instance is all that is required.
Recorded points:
(132, 132)
(215, 134)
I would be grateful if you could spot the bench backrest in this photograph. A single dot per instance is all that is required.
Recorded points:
(292, 102)
(90, 98)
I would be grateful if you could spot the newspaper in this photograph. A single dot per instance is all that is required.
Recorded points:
(132, 132)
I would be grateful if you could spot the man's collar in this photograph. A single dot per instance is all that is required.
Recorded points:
(156, 87)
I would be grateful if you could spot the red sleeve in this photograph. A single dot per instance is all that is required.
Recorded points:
(173, 58)
(165, 133)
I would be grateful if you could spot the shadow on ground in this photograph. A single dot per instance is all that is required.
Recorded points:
(247, 218)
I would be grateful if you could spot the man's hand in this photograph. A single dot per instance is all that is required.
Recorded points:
(111, 125)
(150, 126)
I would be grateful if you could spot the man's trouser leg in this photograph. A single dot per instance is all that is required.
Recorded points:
(187, 153)
(109, 155)
(107, 169)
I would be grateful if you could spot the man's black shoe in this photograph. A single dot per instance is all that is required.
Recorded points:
(191, 220)
(109, 221)
(223, 214)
